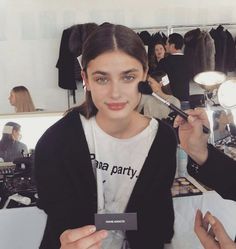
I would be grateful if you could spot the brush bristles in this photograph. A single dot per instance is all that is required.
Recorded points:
(144, 87)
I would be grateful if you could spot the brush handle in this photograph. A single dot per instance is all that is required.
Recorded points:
(184, 115)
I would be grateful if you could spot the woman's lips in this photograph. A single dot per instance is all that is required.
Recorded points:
(116, 106)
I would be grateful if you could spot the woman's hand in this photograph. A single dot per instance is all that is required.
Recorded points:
(192, 138)
(215, 237)
(82, 238)
(156, 87)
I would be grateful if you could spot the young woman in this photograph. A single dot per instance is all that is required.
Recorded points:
(10, 146)
(158, 53)
(105, 157)
(20, 98)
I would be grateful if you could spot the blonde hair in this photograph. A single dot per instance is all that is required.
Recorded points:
(24, 102)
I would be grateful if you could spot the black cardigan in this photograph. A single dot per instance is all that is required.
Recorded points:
(67, 186)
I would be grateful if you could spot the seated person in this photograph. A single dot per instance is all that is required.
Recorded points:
(220, 126)
(21, 99)
(151, 106)
(232, 126)
(10, 146)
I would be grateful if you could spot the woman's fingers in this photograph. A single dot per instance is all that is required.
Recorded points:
(196, 118)
(71, 235)
(96, 246)
(83, 237)
(202, 232)
(215, 237)
(92, 241)
(219, 230)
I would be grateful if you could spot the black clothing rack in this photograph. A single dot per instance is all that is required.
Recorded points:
(192, 26)
(153, 29)
(169, 29)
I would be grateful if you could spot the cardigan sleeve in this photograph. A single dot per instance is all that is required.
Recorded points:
(218, 173)
(60, 182)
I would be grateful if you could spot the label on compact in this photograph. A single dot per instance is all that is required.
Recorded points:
(124, 221)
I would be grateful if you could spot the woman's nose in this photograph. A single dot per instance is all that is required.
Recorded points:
(115, 90)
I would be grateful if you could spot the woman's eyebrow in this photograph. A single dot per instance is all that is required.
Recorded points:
(99, 72)
(133, 70)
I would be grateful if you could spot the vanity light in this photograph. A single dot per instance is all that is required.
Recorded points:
(209, 80)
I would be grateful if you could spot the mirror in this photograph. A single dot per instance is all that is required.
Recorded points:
(226, 94)
(33, 125)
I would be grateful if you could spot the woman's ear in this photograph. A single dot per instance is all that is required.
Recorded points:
(85, 80)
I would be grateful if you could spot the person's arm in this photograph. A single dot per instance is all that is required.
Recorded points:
(156, 87)
(218, 172)
(192, 139)
(211, 232)
(207, 165)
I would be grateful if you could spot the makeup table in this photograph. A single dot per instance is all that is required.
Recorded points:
(22, 228)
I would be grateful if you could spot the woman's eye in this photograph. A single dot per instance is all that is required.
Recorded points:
(101, 80)
(129, 78)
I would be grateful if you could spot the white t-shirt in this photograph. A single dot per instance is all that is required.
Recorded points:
(116, 165)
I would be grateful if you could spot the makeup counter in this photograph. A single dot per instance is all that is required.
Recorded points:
(22, 228)
(22, 223)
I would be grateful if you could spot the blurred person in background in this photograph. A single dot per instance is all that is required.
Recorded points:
(10, 146)
(159, 52)
(220, 126)
(21, 99)
(175, 65)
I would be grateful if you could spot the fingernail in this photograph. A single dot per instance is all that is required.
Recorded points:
(104, 234)
(191, 119)
(92, 229)
(212, 220)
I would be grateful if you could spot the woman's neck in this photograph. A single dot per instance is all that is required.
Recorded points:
(123, 128)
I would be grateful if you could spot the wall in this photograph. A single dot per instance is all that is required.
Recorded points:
(31, 30)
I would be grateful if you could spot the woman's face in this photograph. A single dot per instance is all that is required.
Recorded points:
(12, 98)
(159, 51)
(16, 135)
(223, 119)
(113, 79)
